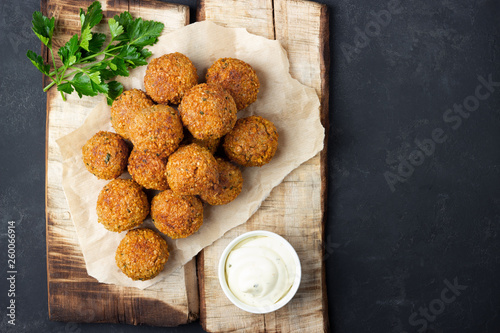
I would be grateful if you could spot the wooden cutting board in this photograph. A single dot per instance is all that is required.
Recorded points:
(295, 209)
(72, 294)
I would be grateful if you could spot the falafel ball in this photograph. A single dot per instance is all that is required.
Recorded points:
(252, 142)
(229, 187)
(105, 155)
(142, 254)
(211, 144)
(148, 170)
(177, 216)
(191, 170)
(237, 77)
(168, 78)
(157, 130)
(208, 111)
(125, 106)
(122, 205)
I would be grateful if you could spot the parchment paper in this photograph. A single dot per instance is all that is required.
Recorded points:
(291, 106)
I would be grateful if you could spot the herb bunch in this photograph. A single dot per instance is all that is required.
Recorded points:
(86, 63)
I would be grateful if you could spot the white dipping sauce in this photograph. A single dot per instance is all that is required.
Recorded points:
(260, 271)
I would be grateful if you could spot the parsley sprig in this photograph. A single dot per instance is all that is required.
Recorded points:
(86, 63)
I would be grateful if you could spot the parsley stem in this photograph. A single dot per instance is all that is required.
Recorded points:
(54, 72)
(54, 62)
(63, 72)
(49, 86)
(105, 51)
(76, 69)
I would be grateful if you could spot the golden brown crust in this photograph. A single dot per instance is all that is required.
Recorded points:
(211, 144)
(208, 111)
(148, 170)
(237, 77)
(252, 142)
(177, 216)
(229, 186)
(142, 254)
(122, 205)
(169, 77)
(157, 130)
(191, 170)
(105, 155)
(125, 106)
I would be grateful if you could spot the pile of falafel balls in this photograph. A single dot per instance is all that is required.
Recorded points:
(182, 139)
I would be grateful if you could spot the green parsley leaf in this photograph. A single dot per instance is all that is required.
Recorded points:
(124, 19)
(67, 52)
(93, 16)
(115, 28)
(94, 76)
(118, 66)
(65, 87)
(43, 27)
(85, 38)
(100, 87)
(97, 41)
(133, 58)
(38, 62)
(89, 20)
(142, 33)
(83, 85)
(105, 73)
(94, 47)
(146, 53)
(114, 90)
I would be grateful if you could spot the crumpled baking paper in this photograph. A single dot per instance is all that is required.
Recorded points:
(291, 106)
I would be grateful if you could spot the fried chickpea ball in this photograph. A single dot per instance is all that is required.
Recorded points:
(211, 144)
(142, 254)
(208, 111)
(229, 187)
(148, 170)
(122, 205)
(177, 216)
(168, 78)
(105, 155)
(191, 170)
(125, 106)
(252, 142)
(157, 130)
(237, 77)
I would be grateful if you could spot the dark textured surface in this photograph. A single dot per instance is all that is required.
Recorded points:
(393, 254)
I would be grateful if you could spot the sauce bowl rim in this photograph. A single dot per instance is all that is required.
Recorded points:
(259, 309)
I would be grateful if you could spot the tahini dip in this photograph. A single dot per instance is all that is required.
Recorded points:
(260, 271)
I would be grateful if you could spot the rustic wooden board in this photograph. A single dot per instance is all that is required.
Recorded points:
(72, 294)
(296, 208)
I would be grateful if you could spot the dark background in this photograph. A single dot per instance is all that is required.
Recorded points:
(390, 253)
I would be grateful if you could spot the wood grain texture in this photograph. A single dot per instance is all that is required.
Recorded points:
(72, 294)
(296, 208)
(256, 16)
